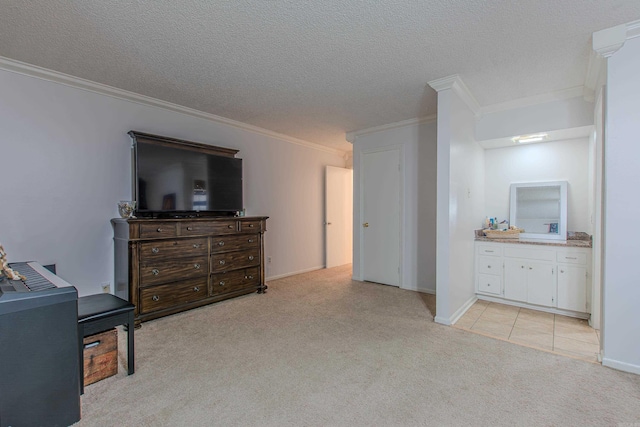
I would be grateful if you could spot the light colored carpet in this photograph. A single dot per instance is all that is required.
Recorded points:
(319, 349)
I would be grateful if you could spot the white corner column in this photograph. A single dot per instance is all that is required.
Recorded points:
(460, 197)
(620, 46)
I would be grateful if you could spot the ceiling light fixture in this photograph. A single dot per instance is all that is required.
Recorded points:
(522, 139)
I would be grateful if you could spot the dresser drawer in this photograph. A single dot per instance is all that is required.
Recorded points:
(172, 294)
(168, 249)
(250, 226)
(489, 284)
(489, 250)
(168, 271)
(489, 265)
(572, 258)
(209, 227)
(158, 230)
(221, 244)
(233, 280)
(234, 260)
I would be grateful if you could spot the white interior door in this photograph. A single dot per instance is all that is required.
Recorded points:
(338, 216)
(380, 214)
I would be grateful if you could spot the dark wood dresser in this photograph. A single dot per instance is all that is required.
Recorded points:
(165, 266)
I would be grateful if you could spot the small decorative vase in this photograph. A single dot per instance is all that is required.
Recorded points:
(126, 208)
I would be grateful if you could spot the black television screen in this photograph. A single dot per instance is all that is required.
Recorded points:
(181, 180)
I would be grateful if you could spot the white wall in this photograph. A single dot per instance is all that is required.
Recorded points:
(66, 163)
(552, 161)
(460, 208)
(621, 283)
(418, 142)
(543, 117)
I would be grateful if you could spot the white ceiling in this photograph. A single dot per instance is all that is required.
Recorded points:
(313, 70)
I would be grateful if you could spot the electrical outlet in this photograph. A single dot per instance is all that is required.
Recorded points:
(106, 287)
(268, 259)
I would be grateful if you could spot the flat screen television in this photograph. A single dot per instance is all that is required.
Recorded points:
(175, 178)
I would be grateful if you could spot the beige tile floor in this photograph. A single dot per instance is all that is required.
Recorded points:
(546, 331)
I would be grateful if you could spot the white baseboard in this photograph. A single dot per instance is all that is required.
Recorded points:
(294, 273)
(621, 366)
(419, 289)
(458, 314)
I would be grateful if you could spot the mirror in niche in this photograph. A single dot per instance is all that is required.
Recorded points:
(540, 208)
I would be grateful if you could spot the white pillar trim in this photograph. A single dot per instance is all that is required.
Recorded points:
(608, 41)
(455, 83)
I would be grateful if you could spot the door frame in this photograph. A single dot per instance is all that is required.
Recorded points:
(401, 228)
(347, 218)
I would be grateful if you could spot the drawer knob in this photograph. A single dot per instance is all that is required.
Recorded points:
(250, 277)
(221, 262)
(221, 243)
(159, 230)
(488, 284)
(189, 228)
(196, 289)
(250, 225)
(250, 257)
(221, 283)
(196, 266)
(155, 271)
(250, 240)
(488, 266)
(522, 266)
(230, 226)
(155, 250)
(196, 245)
(561, 271)
(530, 268)
(155, 298)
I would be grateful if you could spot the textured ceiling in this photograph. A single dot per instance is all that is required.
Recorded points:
(312, 69)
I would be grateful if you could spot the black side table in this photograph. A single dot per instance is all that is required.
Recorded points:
(98, 313)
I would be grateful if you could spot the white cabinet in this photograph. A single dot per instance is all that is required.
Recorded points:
(489, 269)
(515, 274)
(573, 281)
(534, 275)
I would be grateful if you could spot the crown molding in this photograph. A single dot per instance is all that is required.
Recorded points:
(557, 95)
(595, 68)
(23, 68)
(352, 135)
(455, 83)
(608, 41)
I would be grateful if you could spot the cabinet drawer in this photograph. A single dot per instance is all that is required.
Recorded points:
(167, 249)
(489, 250)
(234, 260)
(489, 284)
(529, 253)
(250, 226)
(227, 282)
(172, 294)
(221, 244)
(209, 227)
(158, 230)
(489, 265)
(169, 271)
(572, 258)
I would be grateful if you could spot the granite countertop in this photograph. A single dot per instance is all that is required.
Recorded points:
(575, 239)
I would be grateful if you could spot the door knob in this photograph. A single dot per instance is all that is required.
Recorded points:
(365, 225)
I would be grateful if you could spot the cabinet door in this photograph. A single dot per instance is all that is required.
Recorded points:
(540, 284)
(515, 280)
(572, 288)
